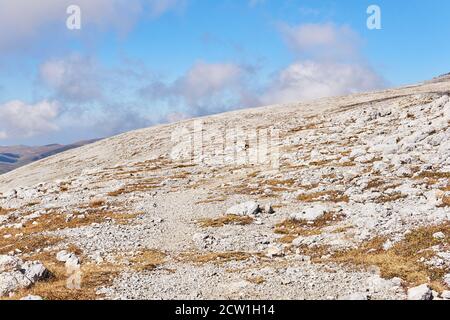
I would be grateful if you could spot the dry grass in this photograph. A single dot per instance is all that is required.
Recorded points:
(292, 229)
(215, 257)
(346, 164)
(229, 219)
(97, 203)
(446, 201)
(27, 244)
(331, 196)
(309, 126)
(142, 186)
(432, 177)
(4, 211)
(390, 197)
(320, 163)
(93, 277)
(29, 236)
(276, 182)
(403, 259)
(374, 184)
(256, 280)
(148, 260)
(211, 200)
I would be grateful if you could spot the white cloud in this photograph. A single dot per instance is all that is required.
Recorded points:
(204, 88)
(74, 78)
(21, 120)
(324, 41)
(23, 21)
(308, 80)
(329, 63)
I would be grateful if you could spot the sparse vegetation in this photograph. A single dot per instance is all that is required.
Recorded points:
(291, 229)
(229, 219)
(331, 196)
(403, 259)
(148, 259)
(215, 257)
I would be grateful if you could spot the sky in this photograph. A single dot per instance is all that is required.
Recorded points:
(136, 63)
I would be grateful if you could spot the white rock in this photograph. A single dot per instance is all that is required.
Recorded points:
(310, 214)
(446, 295)
(439, 235)
(63, 256)
(244, 209)
(9, 263)
(12, 281)
(447, 279)
(422, 292)
(273, 251)
(35, 271)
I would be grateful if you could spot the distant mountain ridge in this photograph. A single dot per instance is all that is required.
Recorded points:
(12, 157)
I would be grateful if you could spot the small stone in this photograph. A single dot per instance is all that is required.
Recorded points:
(422, 292)
(268, 209)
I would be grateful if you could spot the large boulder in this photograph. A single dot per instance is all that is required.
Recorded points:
(310, 214)
(422, 292)
(16, 274)
(244, 209)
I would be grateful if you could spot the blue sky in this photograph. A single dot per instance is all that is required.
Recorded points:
(137, 63)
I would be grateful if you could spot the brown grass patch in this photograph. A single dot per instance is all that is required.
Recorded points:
(148, 260)
(331, 196)
(346, 164)
(276, 182)
(215, 257)
(256, 280)
(446, 201)
(25, 238)
(229, 219)
(320, 163)
(374, 184)
(27, 244)
(4, 211)
(291, 229)
(212, 200)
(403, 259)
(142, 186)
(93, 277)
(97, 203)
(432, 177)
(390, 197)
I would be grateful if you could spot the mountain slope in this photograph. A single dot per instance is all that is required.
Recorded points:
(12, 157)
(357, 208)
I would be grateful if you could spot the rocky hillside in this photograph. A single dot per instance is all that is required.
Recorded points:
(349, 200)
